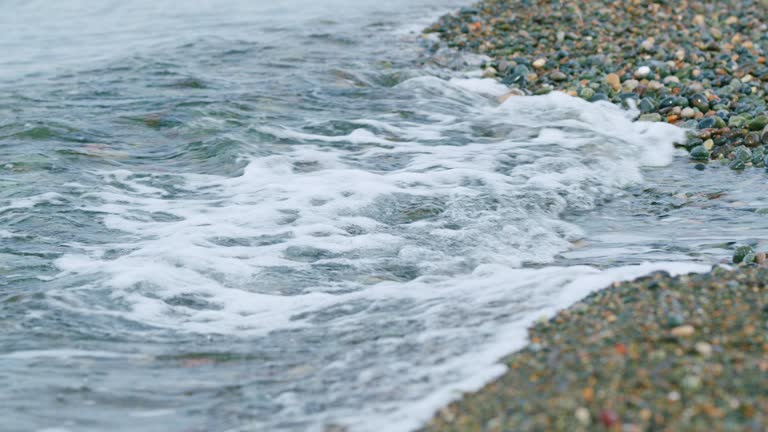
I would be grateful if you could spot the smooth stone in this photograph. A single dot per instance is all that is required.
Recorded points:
(489, 72)
(540, 63)
(737, 121)
(586, 93)
(646, 105)
(700, 166)
(700, 101)
(650, 117)
(764, 135)
(630, 84)
(719, 122)
(752, 139)
(642, 72)
(558, 76)
(613, 81)
(599, 97)
(707, 123)
(743, 154)
(758, 123)
(737, 165)
(699, 153)
(740, 253)
(668, 102)
(758, 155)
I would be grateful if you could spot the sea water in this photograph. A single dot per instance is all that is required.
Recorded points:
(304, 215)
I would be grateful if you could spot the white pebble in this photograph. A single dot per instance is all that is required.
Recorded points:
(642, 72)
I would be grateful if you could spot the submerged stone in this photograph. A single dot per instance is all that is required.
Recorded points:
(699, 153)
(740, 253)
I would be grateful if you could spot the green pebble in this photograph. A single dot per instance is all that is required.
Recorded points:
(743, 154)
(586, 93)
(758, 123)
(741, 252)
(699, 153)
(737, 121)
(650, 117)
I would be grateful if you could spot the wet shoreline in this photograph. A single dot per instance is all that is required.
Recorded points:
(661, 352)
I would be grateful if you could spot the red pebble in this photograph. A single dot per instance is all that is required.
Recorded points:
(608, 418)
(621, 348)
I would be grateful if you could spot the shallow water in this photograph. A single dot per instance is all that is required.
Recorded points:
(237, 216)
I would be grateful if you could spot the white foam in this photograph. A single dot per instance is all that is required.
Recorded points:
(383, 215)
(484, 86)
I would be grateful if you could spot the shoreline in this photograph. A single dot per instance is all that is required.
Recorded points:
(700, 358)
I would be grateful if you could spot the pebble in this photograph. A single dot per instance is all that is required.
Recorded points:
(703, 348)
(583, 416)
(558, 76)
(683, 331)
(687, 113)
(650, 117)
(613, 81)
(642, 72)
(539, 63)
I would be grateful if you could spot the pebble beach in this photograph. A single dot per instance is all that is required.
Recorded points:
(696, 64)
(659, 353)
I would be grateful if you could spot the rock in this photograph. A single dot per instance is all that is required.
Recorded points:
(613, 81)
(707, 123)
(752, 139)
(642, 72)
(699, 153)
(646, 105)
(764, 135)
(608, 418)
(760, 257)
(668, 102)
(558, 76)
(708, 144)
(586, 93)
(687, 113)
(703, 348)
(512, 92)
(737, 165)
(700, 101)
(758, 123)
(737, 121)
(743, 154)
(740, 253)
(582, 416)
(650, 117)
(683, 331)
(655, 85)
(489, 72)
(539, 63)
(630, 85)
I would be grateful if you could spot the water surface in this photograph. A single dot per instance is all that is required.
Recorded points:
(241, 216)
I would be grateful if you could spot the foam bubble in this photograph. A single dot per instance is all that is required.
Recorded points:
(425, 225)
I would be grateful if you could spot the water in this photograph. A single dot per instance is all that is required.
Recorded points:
(237, 216)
